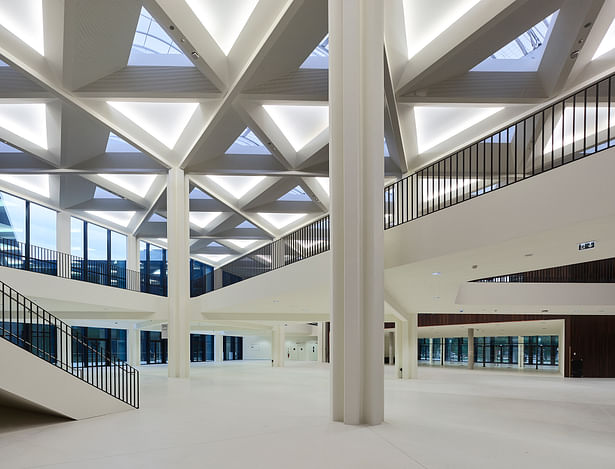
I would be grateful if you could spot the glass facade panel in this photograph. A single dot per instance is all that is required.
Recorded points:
(76, 237)
(42, 227)
(12, 218)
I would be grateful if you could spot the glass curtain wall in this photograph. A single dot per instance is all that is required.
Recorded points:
(201, 348)
(154, 349)
(153, 268)
(232, 348)
(109, 343)
(201, 278)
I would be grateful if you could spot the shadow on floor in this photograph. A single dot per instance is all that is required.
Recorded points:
(12, 419)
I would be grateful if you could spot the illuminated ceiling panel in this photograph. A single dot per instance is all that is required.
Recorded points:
(248, 144)
(426, 20)
(241, 243)
(324, 183)
(153, 46)
(436, 124)
(119, 218)
(214, 257)
(138, 184)
(24, 18)
(163, 121)
(237, 186)
(203, 219)
(37, 184)
(117, 145)
(28, 121)
(281, 220)
(224, 20)
(608, 42)
(299, 124)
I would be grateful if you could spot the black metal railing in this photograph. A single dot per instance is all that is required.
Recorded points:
(572, 128)
(600, 271)
(60, 264)
(31, 328)
(305, 242)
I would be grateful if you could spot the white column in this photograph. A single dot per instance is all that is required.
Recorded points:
(63, 232)
(520, 352)
(430, 350)
(134, 346)
(470, 348)
(356, 133)
(409, 336)
(399, 351)
(64, 347)
(391, 348)
(218, 348)
(278, 345)
(179, 289)
(132, 253)
(320, 335)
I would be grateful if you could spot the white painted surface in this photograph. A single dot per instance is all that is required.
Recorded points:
(256, 348)
(37, 381)
(448, 418)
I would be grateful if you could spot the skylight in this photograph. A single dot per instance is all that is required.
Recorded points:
(386, 149)
(319, 58)
(530, 45)
(214, 244)
(155, 218)
(296, 195)
(24, 19)
(117, 145)
(4, 148)
(101, 193)
(247, 144)
(2, 64)
(197, 193)
(245, 224)
(154, 47)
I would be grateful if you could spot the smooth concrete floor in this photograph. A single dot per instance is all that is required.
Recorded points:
(249, 415)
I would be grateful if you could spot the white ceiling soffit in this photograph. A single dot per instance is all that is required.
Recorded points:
(214, 258)
(24, 19)
(224, 20)
(436, 124)
(26, 120)
(300, 124)
(122, 219)
(241, 243)
(281, 220)
(237, 186)
(324, 183)
(164, 121)
(35, 183)
(137, 184)
(426, 20)
(608, 42)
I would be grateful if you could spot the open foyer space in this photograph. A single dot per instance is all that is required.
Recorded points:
(247, 414)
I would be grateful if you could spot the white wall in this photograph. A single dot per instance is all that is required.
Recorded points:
(302, 349)
(256, 347)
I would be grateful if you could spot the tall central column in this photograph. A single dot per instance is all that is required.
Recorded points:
(356, 170)
(178, 237)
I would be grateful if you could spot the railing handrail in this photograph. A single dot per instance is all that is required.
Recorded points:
(39, 316)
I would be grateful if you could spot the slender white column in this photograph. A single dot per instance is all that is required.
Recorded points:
(218, 348)
(179, 288)
(520, 352)
(63, 232)
(391, 348)
(410, 346)
(399, 350)
(470, 348)
(134, 346)
(356, 133)
(132, 253)
(320, 341)
(278, 345)
(430, 350)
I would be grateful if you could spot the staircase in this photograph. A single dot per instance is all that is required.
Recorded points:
(43, 366)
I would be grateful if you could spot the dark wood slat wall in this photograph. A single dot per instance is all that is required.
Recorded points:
(592, 337)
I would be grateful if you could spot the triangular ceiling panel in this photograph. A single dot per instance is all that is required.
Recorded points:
(300, 124)
(119, 218)
(296, 194)
(163, 121)
(152, 46)
(117, 145)
(197, 193)
(203, 219)
(436, 124)
(101, 193)
(4, 148)
(28, 121)
(35, 183)
(138, 184)
(247, 144)
(237, 186)
(224, 20)
(281, 220)
(155, 218)
(319, 58)
(607, 44)
(24, 19)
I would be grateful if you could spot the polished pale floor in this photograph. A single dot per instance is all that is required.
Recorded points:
(249, 415)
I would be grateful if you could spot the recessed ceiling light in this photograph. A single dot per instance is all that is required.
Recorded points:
(436, 273)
